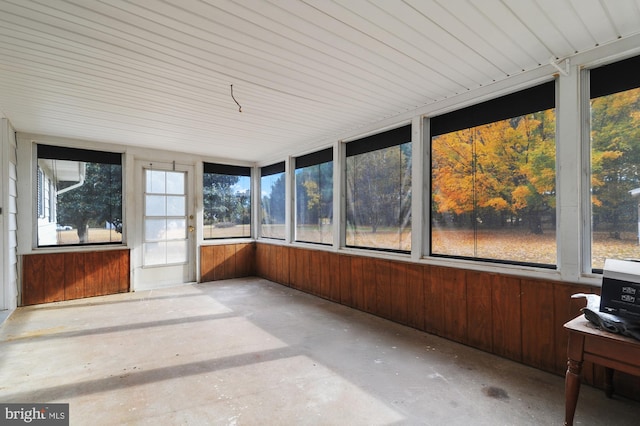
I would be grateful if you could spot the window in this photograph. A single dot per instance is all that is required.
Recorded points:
(272, 185)
(314, 197)
(493, 180)
(227, 201)
(378, 195)
(165, 218)
(79, 196)
(615, 161)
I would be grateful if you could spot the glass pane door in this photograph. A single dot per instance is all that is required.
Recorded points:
(165, 218)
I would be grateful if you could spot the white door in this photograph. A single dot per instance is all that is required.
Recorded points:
(165, 253)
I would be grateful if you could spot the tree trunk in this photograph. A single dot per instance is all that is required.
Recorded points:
(83, 233)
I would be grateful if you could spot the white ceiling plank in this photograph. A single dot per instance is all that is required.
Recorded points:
(421, 31)
(158, 73)
(596, 20)
(336, 34)
(394, 34)
(516, 32)
(263, 58)
(620, 10)
(469, 36)
(550, 20)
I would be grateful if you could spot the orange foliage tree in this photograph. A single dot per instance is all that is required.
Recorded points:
(497, 173)
(615, 159)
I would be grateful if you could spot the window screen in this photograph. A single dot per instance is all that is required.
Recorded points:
(227, 201)
(378, 196)
(493, 180)
(82, 191)
(314, 197)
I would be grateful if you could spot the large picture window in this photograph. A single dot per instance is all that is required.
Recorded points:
(227, 201)
(378, 196)
(79, 196)
(615, 161)
(273, 189)
(314, 197)
(493, 180)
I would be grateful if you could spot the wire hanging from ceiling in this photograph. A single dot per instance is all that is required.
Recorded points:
(234, 99)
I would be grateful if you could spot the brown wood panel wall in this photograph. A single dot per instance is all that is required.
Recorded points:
(516, 318)
(226, 261)
(54, 277)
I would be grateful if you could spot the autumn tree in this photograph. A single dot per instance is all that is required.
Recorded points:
(615, 158)
(496, 173)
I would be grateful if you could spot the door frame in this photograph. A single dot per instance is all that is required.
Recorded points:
(150, 277)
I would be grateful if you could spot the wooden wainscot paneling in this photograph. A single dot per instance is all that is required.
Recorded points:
(346, 278)
(295, 262)
(369, 286)
(55, 277)
(313, 271)
(226, 261)
(415, 296)
(229, 255)
(335, 282)
(479, 310)
(270, 267)
(517, 318)
(538, 333)
(323, 266)
(260, 260)
(352, 281)
(399, 302)
(33, 273)
(454, 297)
(505, 314)
(113, 273)
(245, 260)
(433, 300)
(284, 260)
(93, 275)
(383, 289)
(74, 276)
(206, 263)
(272, 263)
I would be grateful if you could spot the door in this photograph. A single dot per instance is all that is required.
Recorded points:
(166, 226)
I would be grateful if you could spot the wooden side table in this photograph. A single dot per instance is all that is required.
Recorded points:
(588, 343)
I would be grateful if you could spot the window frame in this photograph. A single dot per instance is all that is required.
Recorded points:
(537, 98)
(230, 170)
(376, 142)
(270, 170)
(47, 151)
(599, 80)
(317, 158)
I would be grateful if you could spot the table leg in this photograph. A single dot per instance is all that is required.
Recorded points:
(571, 389)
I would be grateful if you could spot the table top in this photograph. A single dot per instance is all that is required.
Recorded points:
(581, 325)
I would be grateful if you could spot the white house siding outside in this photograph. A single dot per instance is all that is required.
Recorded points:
(8, 220)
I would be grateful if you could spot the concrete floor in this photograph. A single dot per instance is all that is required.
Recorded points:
(250, 352)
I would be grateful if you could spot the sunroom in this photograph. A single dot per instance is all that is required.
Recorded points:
(460, 168)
